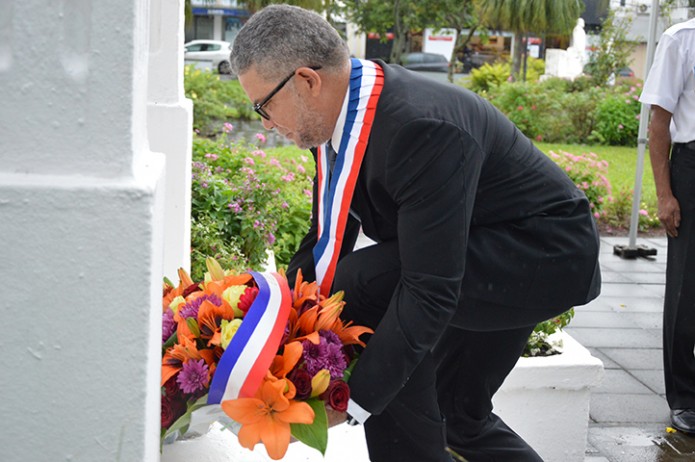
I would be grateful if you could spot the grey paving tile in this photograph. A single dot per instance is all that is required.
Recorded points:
(609, 319)
(649, 320)
(628, 408)
(637, 304)
(597, 304)
(608, 363)
(626, 289)
(644, 443)
(620, 338)
(614, 277)
(620, 381)
(656, 278)
(636, 358)
(654, 379)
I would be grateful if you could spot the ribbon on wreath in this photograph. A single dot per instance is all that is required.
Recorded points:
(248, 356)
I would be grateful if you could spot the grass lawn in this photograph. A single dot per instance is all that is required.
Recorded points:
(622, 164)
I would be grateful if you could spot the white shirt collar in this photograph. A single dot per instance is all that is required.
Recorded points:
(340, 124)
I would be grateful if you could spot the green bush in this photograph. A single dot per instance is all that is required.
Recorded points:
(246, 201)
(617, 119)
(488, 76)
(214, 101)
(558, 110)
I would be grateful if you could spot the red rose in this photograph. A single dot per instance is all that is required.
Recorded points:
(247, 298)
(171, 388)
(172, 409)
(337, 395)
(302, 382)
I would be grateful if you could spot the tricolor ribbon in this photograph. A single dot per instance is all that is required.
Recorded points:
(336, 190)
(248, 356)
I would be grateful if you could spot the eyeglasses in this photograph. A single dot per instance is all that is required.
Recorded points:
(258, 107)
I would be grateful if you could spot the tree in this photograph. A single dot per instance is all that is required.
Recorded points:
(613, 50)
(458, 15)
(524, 16)
(255, 5)
(398, 17)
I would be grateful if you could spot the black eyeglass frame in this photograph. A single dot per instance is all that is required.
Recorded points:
(258, 107)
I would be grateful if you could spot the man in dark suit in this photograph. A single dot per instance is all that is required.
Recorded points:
(479, 236)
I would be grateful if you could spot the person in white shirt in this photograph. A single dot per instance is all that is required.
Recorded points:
(670, 91)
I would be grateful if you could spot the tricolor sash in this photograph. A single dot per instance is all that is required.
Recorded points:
(248, 356)
(336, 190)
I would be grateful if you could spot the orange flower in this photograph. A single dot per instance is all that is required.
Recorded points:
(267, 417)
(171, 293)
(180, 353)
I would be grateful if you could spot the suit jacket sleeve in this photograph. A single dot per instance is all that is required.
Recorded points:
(432, 176)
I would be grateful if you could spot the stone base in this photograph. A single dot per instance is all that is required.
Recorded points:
(546, 400)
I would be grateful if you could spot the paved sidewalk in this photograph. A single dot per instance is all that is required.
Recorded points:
(622, 327)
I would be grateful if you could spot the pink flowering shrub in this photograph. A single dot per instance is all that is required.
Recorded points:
(246, 200)
(588, 172)
(619, 210)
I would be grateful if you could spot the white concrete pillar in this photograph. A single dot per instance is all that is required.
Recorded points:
(80, 234)
(170, 119)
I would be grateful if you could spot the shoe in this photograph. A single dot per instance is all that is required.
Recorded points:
(683, 420)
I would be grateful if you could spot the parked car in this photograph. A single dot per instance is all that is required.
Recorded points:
(211, 54)
(626, 72)
(421, 61)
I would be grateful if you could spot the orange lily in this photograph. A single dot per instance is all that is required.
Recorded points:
(283, 364)
(330, 311)
(171, 293)
(267, 417)
(210, 318)
(350, 334)
(304, 291)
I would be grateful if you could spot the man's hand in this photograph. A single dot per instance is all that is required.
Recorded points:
(670, 214)
(335, 417)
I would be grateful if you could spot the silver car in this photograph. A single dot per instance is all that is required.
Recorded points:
(208, 54)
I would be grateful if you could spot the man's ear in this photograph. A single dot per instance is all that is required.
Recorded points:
(309, 80)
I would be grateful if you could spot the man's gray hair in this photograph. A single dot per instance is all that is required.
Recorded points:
(280, 38)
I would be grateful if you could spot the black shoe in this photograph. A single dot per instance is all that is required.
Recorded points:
(684, 420)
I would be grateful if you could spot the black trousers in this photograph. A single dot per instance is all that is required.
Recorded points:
(447, 400)
(679, 302)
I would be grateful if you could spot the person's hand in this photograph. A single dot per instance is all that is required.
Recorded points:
(335, 417)
(670, 214)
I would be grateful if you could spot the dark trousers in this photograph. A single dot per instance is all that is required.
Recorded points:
(679, 303)
(447, 400)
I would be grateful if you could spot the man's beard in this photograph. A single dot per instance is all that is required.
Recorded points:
(311, 128)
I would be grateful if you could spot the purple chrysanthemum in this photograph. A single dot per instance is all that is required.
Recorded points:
(331, 337)
(168, 325)
(325, 355)
(193, 376)
(190, 309)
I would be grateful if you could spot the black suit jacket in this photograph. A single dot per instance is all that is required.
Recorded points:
(482, 218)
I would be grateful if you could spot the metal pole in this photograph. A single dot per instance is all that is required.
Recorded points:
(632, 251)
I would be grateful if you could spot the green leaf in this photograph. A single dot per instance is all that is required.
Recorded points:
(316, 433)
(170, 341)
(182, 422)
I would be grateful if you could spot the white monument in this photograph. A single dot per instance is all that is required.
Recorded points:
(82, 227)
(568, 64)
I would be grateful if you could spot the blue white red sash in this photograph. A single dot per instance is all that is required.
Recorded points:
(248, 356)
(335, 194)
